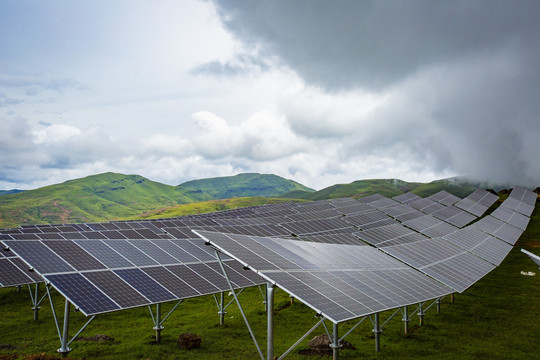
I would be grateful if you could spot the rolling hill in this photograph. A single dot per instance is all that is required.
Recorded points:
(387, 187)
(111, 196)
(244, 185)
(93, 198)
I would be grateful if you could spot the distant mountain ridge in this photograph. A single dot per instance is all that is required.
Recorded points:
(242, 185)
(7, 192)
(112, 196)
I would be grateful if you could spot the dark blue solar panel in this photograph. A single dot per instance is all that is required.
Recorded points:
(116, 288)
(145, 285)
(105, 254)
(130, 252)
(43, 259)
(88, 298)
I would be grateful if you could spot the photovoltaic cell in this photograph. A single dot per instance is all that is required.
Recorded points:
(116, 288)
(192, 278)
(171, 282)
(145, 285)
(406, 198)
(130, 252)
(10, 275)
(104, 254)
(84, 294)
(39, 256)
(74, 255)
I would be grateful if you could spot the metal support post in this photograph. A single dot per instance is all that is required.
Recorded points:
(35, 301)
(292, 299)
(18, 288)
(421, 314)
(222, 311)
(158, 326)
(239, 306)
(406, 320)
(64, 348)
(438, 302)
(270, 321)
(377, 331)
(451, 298)
(335, 342)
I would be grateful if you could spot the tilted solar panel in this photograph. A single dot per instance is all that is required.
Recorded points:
(367, 282)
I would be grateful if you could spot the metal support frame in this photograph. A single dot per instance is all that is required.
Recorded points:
(377, 331)
(270, 321)
(452, 298)
(420, 314)
(221, 307)
(438, 302)
(302, 338)
(64, 334)
(335, 342)
(158, 321)
(352, 329)
(34, 297)
(238, 303)
(264, 295)
(406, 319)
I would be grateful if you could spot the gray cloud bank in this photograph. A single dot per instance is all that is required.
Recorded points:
(460, 79)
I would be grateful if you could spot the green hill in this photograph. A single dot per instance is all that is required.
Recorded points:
(244, 185)
(387, 187)
(93, 198)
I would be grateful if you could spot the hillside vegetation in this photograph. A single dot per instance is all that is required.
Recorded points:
(387, 187)
(245, 185)
(111, 196)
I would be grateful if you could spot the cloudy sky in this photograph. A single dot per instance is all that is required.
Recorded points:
(316, 91)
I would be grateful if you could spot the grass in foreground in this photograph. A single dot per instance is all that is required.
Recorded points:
(497, 318)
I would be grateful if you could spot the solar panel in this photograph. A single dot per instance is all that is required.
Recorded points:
(499, 229)
(130, 252)
(481, 244)
(104, 254)
(406, 198)
(511, 217)
(393, 234)
(144, 284)
(454, 216)
(39, 256)
(116, 288)
(445, 198)
(11, 275)
(444, 261)
(171, 282)
(74, 255)
(89, 299)
(524, 195)
(516, 205)
(330, 291)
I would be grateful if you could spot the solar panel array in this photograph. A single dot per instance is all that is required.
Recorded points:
(347, 282)
(102, 267)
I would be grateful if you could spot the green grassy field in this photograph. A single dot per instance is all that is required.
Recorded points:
(497, 318)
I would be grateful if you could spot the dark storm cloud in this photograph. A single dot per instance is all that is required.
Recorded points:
(348, 44)
(462, 78)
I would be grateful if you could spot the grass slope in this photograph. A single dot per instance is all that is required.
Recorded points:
(209, 206)
(94, 198)
(244, 185)
(497, 318)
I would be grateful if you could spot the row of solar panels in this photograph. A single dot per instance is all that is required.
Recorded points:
(142, 262)
(343, 282)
